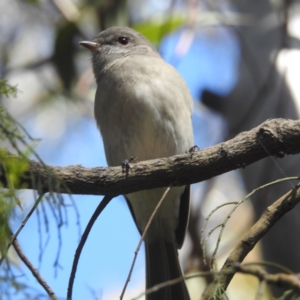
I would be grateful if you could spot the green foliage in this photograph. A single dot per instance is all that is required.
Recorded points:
(217, 292)
(64, 51)
(8, 129)
(6, 207)
(155, 30)
(11, 169)
(34, 2)
(6, 89)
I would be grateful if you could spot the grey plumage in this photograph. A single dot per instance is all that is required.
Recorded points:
(143, 108)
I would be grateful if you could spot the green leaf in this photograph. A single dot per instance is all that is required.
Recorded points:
(7, 89)
(156, 29)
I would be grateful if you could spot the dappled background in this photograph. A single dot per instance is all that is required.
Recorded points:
(241, 61)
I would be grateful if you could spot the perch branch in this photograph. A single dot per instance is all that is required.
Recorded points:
(270, 216)
(276, 137)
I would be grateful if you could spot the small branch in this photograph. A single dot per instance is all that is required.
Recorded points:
(269, 264)
(84, 237)
(33, 270)
(202, 241)
(14, 236)
(142, 238)
(287, 281)
(174, 281)
(223, 224)
(68, 9)
(260, 290)
(270, 216)
(278, 136)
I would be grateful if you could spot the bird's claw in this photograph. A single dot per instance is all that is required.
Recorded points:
(126, 162)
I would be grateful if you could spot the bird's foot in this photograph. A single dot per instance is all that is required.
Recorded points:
(193, 149)
(126, 164)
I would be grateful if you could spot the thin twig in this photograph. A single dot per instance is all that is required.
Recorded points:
(14, 236)
(84, 237)
(288, 281)
(32, 268)
(269, 218)
(269, 264)
(202, 241)
(172, 282)
(260, 290)
(142, 238)
(213, 259)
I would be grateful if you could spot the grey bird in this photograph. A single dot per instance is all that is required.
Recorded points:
(143, 108)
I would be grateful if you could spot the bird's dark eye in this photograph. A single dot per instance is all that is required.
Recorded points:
(123, 40)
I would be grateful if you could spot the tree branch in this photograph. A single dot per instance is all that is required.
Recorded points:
(270, 216)
(33, 270)
(276, 137)
(287, 281)
(83, 239)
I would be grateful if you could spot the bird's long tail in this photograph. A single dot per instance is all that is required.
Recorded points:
(162, 264)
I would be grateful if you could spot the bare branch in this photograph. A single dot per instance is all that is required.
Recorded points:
(276, 137)
(83, 239)
(270, 216)
(33, 270)
(142, 239)
(287, 281)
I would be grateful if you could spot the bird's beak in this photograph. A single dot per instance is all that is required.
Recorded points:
(90, 45)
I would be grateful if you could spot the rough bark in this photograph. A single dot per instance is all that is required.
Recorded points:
(276, 137)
